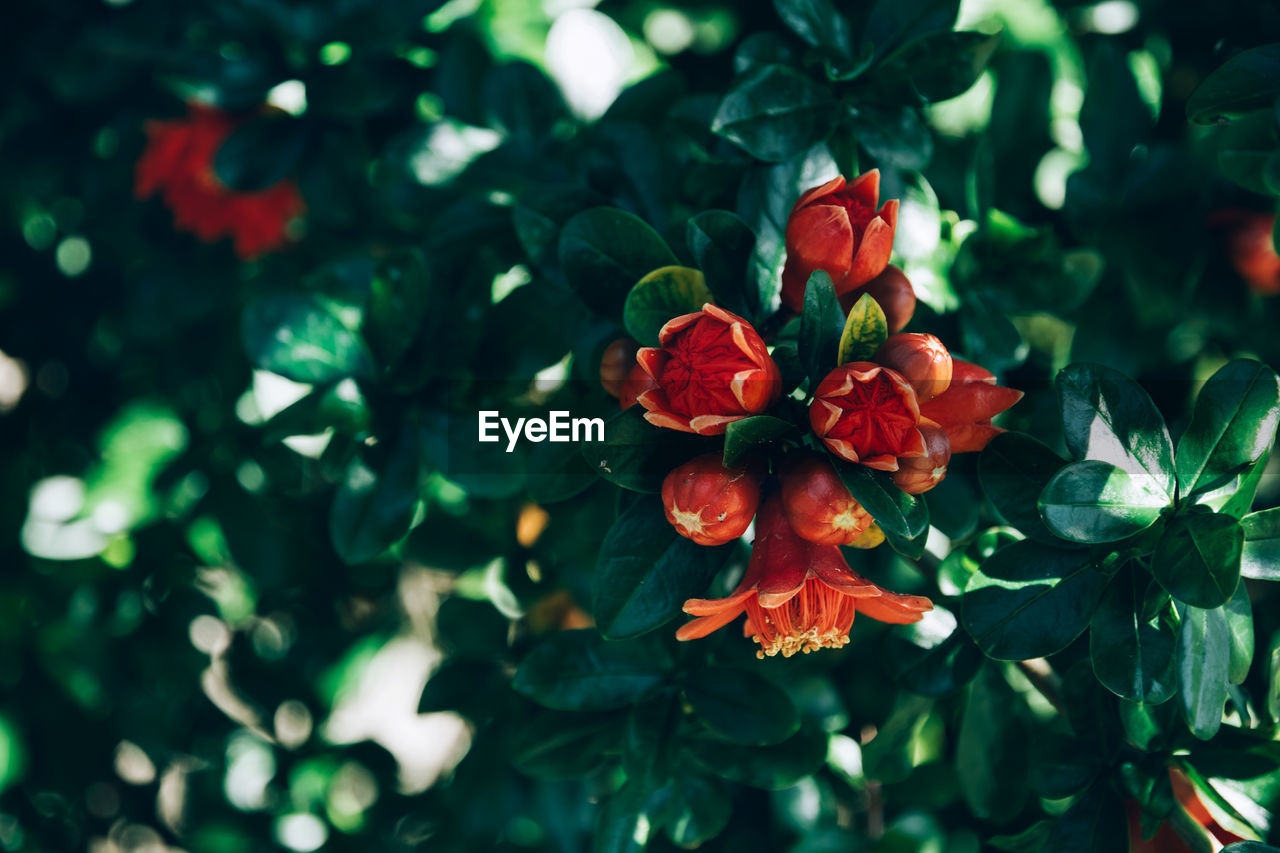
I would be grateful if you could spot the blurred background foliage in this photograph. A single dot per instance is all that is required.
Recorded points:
(240, 542)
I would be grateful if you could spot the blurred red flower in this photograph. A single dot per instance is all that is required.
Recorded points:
(798, 596)
(1251, 246)
(178, 164)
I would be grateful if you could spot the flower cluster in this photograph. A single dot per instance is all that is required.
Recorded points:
(903, 411)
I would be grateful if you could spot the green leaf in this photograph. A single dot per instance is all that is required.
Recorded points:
(372, 510)
(702, 809)
(775, 112)
(821, 328)
(260, 152)
(1248, 81)
(1013, 470)
(1260, 557)
(400, 299)
(1093, 502)
(1233, 425)
(1198, 558)
(461, 685)
(1095, 823)
(1250, 847)
(772, 767)
(864, 331)
(605, 251)
(891, 755)
(647, 570)
(933, 68)
(662, 294)
(581, 671)
(1203, 661)
(637, 455)
(1028, 600)
(992, 748)
(897, 512)
(741, 437)
(563, 745)
(1131, 657)
(741, 706)
(819, 23)
(303, 338)
(724, 248)
(1239, 613)
(1108, 417)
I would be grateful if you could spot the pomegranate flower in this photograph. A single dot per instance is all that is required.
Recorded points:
(836, 228)
(798, 596)
(1251, 247)
(966, 408)
(178, 164)
(868, 414)
(711, 370)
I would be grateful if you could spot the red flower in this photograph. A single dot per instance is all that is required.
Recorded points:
(798, 596)
(712, 369)
(1251, 247)
(917, 475)
(966, 408)
(893, 291)
(178, 163)
(868, 414)
(921, 359)
(837, 228)
(709, 503)
(818, 506)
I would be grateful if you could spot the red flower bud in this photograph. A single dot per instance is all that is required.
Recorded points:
(178, 163)
(618, 359)
(1251, 247)
(709, 503)
(818, 506)
(893, 292)
(836, 228)
(712, 369)
(867, 413)
(921, 359)
(636, 383)
(966, 408)
(917, 475)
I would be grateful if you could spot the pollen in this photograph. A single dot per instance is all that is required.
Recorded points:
(817, 617)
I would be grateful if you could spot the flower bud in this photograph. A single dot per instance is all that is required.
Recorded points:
(711, 370)
(709, 503)
(818, 506)
(917, 475)
(868, 414)
(836, 228)
(636, 383)
(893, 292)
(965, 409)
(618, 359)
(921, 359)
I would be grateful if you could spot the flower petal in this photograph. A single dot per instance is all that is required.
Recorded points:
(837, 575)
(865, 188)
(895, 608)
(652, 360)
(832, 186)
(665, 419)
(820, 237)
(676, 325)
(704, 625)
(872, 255)
(712, 424)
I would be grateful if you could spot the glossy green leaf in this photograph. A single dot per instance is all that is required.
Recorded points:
(864, 331)
(992, 748)
(1013, 470)
(897, 512)
(665, 293)
(372, 509)
(891, 755)
(702, 808)
(937, 669)
(260, 152)
(818, 22)
(647, 570)
(1198, 558)
(1233, 426)
(741, 437)
(1108, 417)
(1248, 81)
(741, 706)
(724, 248)
(1132, 657)
(775, 112)
(605, 251)
(1203, 661)
(637, 455)
(581, 671)
(821, 327)
(1028, 600)
(772, 767)
(1260, 557)
(564, 746)
(934, 68)
(1239, 613)
(1095, 823)
(1092, 502)
(303, 338)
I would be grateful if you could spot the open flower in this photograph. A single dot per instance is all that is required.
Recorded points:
(711, 370)
(836, 228)
(868, 414)
(798, 596)
(178, 164)
(966, 408)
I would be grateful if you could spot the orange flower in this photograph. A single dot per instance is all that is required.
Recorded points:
(1251, 247)
(1166, 840)
(711, 370)
(837, 228)
(966, 408)
(178, 163)
(798, 596)
(868, 414)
